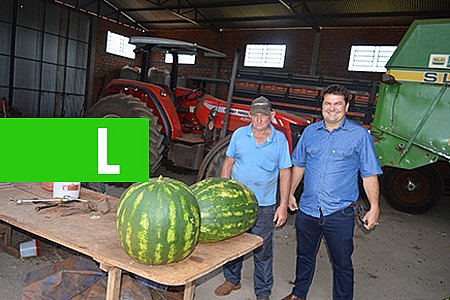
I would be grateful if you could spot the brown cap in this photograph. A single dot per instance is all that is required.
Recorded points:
(261, 105)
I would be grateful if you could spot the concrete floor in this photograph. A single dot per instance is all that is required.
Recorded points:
(406, 257)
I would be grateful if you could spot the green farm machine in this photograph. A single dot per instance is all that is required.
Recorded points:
(411, 128)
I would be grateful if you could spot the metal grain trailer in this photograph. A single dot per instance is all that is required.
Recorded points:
(411, 126)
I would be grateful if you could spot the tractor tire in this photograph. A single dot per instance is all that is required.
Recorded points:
(412, 191)
(215, 166)
(212, 163)
(127, 106)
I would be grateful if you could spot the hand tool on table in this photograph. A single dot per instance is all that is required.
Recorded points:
(83, 206)
(58, 200)
(100, 207)
(41, 207)
(49, 203)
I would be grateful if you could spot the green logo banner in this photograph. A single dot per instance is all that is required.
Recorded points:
(80, 150)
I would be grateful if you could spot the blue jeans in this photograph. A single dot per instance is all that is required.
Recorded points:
(337, 229)
(262, 256)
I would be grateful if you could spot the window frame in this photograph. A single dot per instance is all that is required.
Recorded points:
(183, 59)
(368, 58)
(123, 49)
(266, 58)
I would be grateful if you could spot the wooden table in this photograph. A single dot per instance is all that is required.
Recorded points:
(97, 238)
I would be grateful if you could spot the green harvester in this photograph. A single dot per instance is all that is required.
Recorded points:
(411, 128)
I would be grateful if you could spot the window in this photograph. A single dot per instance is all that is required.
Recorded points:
(118, 44)
(183, 59)
(370, 58)
(266, 56)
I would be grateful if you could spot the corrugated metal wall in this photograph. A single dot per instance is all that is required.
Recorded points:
(44, 58)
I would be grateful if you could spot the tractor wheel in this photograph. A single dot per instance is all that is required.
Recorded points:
(412, 191)
(126, 106)
(215, 166)
(212, 164)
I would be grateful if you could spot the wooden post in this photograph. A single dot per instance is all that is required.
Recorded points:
(114, 281)
(189, 291)
(6, 247)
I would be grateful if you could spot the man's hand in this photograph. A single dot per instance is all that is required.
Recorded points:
(280, 216)
(372, 188)
(370, 219)
(292, 203)
(296, 178)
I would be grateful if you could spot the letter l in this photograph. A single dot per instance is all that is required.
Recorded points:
(103, 167)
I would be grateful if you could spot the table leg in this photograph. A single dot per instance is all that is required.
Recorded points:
(114, 281)
(6, 231)
(189, 291)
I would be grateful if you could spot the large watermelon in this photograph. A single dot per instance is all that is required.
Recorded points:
(158, 221)
(227, 208)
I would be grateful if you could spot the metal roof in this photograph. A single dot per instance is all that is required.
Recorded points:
(231, 14)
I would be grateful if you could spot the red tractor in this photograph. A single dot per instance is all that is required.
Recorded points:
(186, 126)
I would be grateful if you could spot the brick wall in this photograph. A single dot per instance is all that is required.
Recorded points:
(336, 44)
(334, 51)
(107, 66)
(203, 65)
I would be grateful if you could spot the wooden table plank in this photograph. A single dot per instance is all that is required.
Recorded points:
(97, 237)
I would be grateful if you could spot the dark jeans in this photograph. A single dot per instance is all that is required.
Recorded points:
(262, 256)
(337, 229)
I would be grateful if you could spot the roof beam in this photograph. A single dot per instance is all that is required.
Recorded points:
(291, 8)
(217, 4)
(198, 6)
(197, 11)
(191, 19)
(124, 14)
(96, 13)
(431, 14)
(311, 17)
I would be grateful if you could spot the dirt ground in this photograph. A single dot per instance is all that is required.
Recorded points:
(406, 257)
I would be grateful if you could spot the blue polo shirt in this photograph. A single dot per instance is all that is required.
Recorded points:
(258, 166)
(332, 161)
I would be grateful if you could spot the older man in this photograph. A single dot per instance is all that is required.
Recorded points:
(258, 155)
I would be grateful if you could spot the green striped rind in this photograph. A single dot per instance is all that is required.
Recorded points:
(158, 221)
(227, 208)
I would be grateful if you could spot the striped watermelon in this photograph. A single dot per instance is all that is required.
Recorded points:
(158, 221)
(227, 208)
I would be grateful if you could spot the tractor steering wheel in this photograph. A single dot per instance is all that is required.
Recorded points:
(195, 94)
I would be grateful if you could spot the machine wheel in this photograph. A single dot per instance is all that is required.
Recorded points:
(212, 163)
(412, 191)
(215, 166)
(126, 106)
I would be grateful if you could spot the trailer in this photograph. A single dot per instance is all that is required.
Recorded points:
(411, 127)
